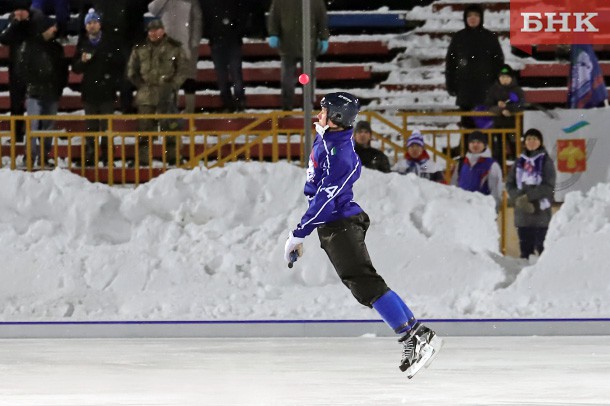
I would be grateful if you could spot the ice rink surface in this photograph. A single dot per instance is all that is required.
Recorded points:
(302, 371)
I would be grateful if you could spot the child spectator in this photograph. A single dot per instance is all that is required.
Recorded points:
(530, 186)
(478, 171)
(418, 161)
(504, 98)
(370, 157)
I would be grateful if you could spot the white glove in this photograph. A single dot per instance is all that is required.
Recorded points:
(320, 129)
(293, 244)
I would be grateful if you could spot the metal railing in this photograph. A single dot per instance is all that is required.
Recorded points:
(120, 155)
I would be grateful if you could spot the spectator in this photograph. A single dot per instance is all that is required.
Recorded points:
(478, 171)
(225, 24)
(530, 186)
(14, 35)
(473, 60)
(370, 157)
(45, 70)
(256, 26)
(124, 27)
(157, 68)
(504, 98)
(60, 9)
(100, 65)
(183, 21)
(417, 160)
(286, 33)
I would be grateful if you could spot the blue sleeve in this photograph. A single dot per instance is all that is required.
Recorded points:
(339, 175)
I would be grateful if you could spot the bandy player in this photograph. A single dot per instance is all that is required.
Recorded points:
(334, 166)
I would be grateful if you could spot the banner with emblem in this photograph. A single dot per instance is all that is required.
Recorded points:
(578, 142)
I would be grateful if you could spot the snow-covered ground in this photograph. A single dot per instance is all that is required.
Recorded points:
(208, 245)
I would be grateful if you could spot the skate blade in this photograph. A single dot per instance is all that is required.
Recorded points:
(429, 353)
(437, 344)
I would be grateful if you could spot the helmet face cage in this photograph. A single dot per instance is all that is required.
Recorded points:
(342, 108)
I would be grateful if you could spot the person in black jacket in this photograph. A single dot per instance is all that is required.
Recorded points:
(224, 25)
(42, 63)
(14, 35)
(473, 60)
(123, 27)
(96, 58)
(370, 157)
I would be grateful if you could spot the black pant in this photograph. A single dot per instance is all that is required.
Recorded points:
(17, 91)
(531, 239)
(343, 241)
(97, 125)
(227, 58)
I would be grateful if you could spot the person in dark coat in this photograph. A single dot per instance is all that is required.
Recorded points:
(285, 28)
(224, 25)
(45, 69)
(504, 98)
(124, 27)
(530, 186)
(100, 65)
(14, 35)
(473, 60)
(370, 157)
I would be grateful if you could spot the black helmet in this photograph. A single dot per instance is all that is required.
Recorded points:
(342, 108)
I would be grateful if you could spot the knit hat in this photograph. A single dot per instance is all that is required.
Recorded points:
(415, 139)
(506, 70)
(44, 24)
(477, 136)
(22, 4)
(92, 15)
(534, 132)
(154, 24)
(363, 125)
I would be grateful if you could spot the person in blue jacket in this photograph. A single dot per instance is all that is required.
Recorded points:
(333, 169)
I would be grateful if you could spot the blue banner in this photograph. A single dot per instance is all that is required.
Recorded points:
(586, 87)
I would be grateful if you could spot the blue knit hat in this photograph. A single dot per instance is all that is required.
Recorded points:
(415, 139)
(92, 15)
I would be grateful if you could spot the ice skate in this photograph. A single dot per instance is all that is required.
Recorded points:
(420, 346)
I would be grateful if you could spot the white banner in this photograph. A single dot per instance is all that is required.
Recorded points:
(579, 143)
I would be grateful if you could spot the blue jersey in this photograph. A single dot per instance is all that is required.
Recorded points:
(333, 168)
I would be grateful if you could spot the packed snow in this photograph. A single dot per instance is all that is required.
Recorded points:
(208, 245)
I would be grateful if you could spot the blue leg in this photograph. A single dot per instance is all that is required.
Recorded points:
(395, 312)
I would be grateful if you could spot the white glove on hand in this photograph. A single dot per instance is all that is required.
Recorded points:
(293, 244)
(320, 129)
